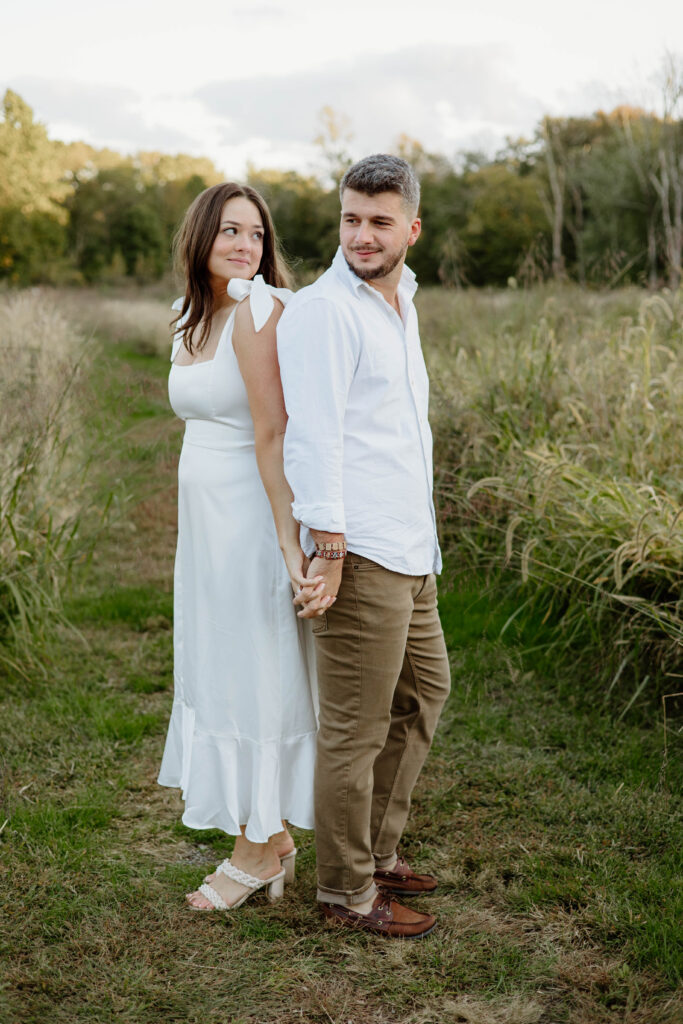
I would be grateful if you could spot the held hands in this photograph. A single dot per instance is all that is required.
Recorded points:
(316, 597)
(297, 566)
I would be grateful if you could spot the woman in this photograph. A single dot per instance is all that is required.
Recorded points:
(241, 741)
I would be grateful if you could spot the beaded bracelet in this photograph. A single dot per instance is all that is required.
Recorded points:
(335, 549)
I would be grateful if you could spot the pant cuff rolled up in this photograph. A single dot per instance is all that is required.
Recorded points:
(385, 862)
(347, 899)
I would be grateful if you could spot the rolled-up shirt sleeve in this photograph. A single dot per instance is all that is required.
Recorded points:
(318, 354)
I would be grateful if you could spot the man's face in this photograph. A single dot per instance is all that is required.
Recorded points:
(375, 232)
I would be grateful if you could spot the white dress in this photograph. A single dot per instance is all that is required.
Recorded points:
(241, 740)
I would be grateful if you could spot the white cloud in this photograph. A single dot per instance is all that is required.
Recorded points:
(426, 92)
(104, 115)
(446, 97)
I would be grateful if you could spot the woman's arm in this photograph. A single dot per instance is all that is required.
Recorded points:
(257, 358)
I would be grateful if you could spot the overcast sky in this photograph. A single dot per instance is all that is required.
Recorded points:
(246, 81)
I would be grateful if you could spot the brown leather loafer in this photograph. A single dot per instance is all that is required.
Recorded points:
(387, 917)
(403, 880)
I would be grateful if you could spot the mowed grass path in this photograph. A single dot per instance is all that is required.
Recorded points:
(555, 831)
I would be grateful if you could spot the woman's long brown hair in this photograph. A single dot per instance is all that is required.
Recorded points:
(192, 247)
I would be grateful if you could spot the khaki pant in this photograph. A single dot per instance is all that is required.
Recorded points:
(383, 678)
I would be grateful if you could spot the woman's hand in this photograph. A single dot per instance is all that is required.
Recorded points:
(297, 566)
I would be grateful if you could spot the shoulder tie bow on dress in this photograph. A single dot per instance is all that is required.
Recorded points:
(260, 297)
(260, 302)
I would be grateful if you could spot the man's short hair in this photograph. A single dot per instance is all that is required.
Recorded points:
(383, 173)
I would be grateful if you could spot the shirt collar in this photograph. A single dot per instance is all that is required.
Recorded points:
(407, 286)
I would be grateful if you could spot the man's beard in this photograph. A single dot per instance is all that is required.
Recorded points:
(366, 274)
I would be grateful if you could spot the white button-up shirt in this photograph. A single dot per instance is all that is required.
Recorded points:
(358, 446)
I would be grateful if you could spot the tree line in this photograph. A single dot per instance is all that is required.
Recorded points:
(597, 199)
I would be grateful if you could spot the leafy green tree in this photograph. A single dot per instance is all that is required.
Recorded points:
(174, 197)
(618, 238)
(306, 217)
(136, 232)
(32, 233)
(505, 219)
(439, 256)
(560, 153)
(163, 168)
(32, 247)
(29, 175)
(114, 213)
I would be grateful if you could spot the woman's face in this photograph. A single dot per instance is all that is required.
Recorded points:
(238, 246)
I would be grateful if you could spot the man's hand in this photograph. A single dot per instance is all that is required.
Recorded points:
(315, 602)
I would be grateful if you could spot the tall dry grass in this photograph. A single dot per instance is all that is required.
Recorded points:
(43, 465)
(138, 321)
(558, 448)
(53, 476)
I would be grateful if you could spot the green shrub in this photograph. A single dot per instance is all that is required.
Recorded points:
(557, 428)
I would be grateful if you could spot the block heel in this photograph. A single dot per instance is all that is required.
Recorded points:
(275, 889)
(288, 862)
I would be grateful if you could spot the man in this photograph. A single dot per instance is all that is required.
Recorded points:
(358, 457)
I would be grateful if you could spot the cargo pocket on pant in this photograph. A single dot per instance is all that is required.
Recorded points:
(319, 624)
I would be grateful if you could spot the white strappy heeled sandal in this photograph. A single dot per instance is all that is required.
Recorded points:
(274, 887)
(288, 862)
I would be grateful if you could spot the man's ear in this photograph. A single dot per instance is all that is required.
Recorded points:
(415, 229)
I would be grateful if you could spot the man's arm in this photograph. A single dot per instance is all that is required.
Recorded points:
(318, 356)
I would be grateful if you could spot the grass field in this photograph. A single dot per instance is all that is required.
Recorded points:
(552, 817)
